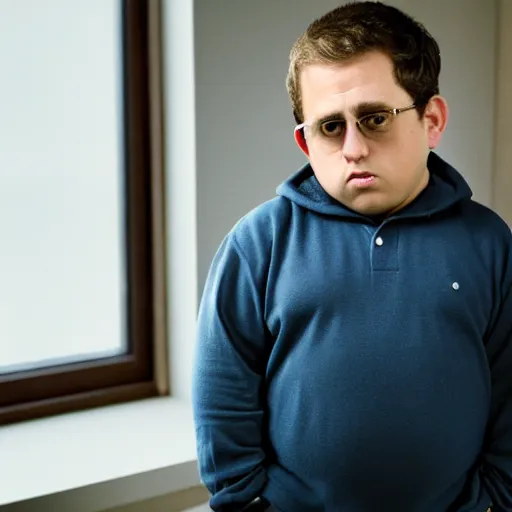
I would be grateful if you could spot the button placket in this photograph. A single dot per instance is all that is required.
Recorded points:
(385, 249)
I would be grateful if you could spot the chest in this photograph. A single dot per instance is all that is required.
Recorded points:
(417, 273)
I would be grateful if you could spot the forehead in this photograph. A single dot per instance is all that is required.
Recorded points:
(328, 88)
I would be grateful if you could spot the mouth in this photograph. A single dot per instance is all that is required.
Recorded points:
(361, 177)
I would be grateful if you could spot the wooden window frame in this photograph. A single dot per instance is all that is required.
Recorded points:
(142, 371)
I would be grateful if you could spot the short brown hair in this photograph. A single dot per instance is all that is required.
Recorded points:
(359, 27)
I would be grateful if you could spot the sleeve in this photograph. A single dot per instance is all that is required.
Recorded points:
(496, 470)
(229, 369)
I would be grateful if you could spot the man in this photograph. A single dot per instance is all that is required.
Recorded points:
(354, 338)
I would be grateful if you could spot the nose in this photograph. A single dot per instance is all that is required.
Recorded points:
(355, 146)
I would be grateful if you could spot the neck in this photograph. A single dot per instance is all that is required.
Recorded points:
(422, 185)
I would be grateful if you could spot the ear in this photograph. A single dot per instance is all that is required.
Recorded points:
(301, 141)
(436, 119)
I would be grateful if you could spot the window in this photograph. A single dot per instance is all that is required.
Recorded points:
(82, 295)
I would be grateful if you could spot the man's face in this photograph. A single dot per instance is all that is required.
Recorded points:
(374, 173)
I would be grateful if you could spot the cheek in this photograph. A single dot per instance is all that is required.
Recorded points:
(401, 163)
(328, 168)
(413, 149)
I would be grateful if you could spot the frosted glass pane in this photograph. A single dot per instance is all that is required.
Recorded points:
(61, 224)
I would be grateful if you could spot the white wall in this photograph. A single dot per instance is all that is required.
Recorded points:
(244, 123)
(180, 169)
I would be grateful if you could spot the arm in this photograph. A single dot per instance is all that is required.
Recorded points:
(230, 364)
(496, 471)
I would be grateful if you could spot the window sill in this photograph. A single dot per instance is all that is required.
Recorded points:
(99, 459)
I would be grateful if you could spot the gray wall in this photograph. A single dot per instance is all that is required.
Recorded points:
(244, 123)
(503, 147)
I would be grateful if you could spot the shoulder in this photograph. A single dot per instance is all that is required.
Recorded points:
(491, 237)
(485, 223)
(251, 239)
(258, 228)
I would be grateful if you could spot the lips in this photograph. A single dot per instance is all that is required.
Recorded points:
(360, 176)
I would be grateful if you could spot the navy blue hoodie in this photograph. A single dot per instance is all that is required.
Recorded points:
(345, 364)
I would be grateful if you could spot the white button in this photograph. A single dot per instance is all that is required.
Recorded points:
(379, 241)
(455, 286)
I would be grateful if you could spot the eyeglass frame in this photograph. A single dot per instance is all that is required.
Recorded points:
(393, 111)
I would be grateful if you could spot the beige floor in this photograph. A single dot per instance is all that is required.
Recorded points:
(189, 500)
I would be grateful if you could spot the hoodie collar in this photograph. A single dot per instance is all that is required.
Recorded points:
(446, 187)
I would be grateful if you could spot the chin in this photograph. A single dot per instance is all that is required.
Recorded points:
(373, 212)
(369, 208)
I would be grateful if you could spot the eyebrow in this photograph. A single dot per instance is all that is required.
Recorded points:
(359, 110)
